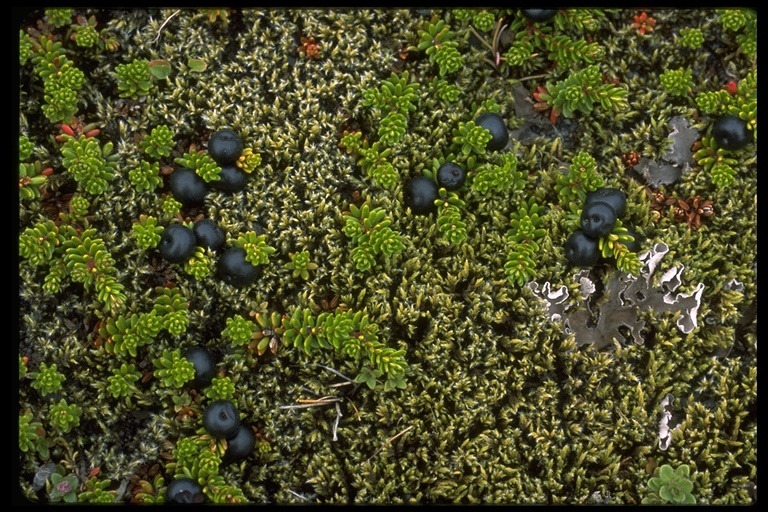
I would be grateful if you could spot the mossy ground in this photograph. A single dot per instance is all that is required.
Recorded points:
(500, 404)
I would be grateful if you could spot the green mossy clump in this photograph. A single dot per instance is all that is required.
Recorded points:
(405, 360)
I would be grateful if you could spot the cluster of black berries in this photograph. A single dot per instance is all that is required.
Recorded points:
(421, 192)
(220, 420)
(178, 242)
(602, 208)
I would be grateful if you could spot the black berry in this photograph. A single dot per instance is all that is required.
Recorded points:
(240, 445)
(187, 187)
(598, 219)
(209, 234)
(539, 15)
(731, 133)
(613, 196)
(231, 179)
(225, 147)
(177, 243)
(234, 269)
(184, 490)
(451, 176)
(205, 366)
(220, 419)
(420, 195)
(581, 250)
(498, 128)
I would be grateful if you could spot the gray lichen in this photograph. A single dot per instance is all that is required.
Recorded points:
(601, 320)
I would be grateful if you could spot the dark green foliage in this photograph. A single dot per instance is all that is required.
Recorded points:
(145, 177)
(677, 82)
(437, 41)
(202, 163)
(371, 235)
(91, 165)
(670, 486)
(582, 90)
(449, 222)
(159, 142)
(134, 79)
(173, 369)
(146, 232)
(351, 334)
(582, 177)
(498, 177)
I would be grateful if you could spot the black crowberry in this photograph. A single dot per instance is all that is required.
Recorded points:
(187, 187)
(598, 219)
(240, 445)
(498, 128)
(234, 269)
(613, 196)
(451, 176)
(177, 243)
(184, 490)
(225, 147)
(209, 234)
(420, 194)
(539, 15)
(205, 366)
(231, 179)
(731, 133)
(220, 419)
(581, 250)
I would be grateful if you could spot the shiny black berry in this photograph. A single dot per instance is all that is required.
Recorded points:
(498, 128)
(731, 133)
(187, 187)
(209, 234)
(240, 445)
(220, 419)
(598, 219)
(613, 196)
(581, 250)
(451, 176)
(539, 15)
(205, 366)
(234, 269)
(420, 195)
(225, 147)
(184, 490)
(231, 179)
(177, 243)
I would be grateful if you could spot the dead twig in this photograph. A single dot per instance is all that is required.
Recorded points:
(164, 24)
(389, 441)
